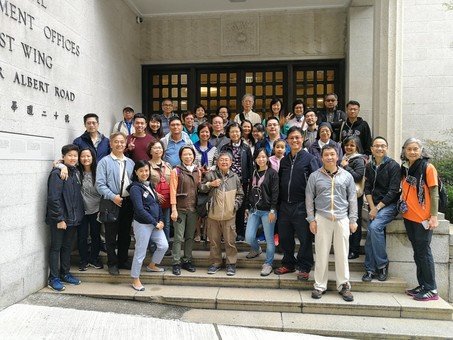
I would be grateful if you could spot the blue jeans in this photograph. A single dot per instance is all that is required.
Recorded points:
(257, 217)
(375, 247)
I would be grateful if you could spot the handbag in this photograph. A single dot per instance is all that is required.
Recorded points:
(360, 186)
(108, 210)
(163, 188)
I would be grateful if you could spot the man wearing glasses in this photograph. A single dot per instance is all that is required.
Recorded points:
(167, 113)
(332, 115)
(382, 188)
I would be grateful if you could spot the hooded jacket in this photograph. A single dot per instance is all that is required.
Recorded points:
(359, 128)
(64, 198)
(146, 207)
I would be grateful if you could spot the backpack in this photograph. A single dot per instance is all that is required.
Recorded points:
(443, 196)
(163, 188)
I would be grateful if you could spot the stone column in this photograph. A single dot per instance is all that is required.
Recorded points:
(387, 82)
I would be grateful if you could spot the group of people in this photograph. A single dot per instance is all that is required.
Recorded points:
(304, 174)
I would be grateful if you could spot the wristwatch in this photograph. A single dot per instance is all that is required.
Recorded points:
(272, 211)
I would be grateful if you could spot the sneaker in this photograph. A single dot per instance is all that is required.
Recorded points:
(213, 269)
(189, 267)
(83, 267)
(383, 273)
(303, 276)
(55, 284)
(266, 269)
(97, 264)
(113, 270)
(197, 238)
(414, 291)
(240, 239)
(254, 253)
(345, 292)
(231, 269)
(68, 278)
(426, 295)
(317, 294)
(368, 276)
(283, 270)
(176, 269)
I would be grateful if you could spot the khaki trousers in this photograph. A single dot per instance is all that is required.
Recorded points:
(339, 231)
(215, 231)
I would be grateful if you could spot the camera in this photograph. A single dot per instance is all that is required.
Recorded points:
(138, 19)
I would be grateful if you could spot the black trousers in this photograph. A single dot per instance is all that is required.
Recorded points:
(292, 221)
(421, 244)
(60, 250)
(354, 239)
(91, 226)
(240, 213)
(118, 234)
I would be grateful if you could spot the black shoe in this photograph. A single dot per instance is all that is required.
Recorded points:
(188, 266)
(83, 267)
(352, 255)
(240, 239)
(168, 252)
(231, 269)
(368, 276)
(125, 265)
(103, 248)
(176, 269)
(383, 273)
(113, 270)
(96, 264)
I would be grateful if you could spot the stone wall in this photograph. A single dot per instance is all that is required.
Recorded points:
(245, 36)
(427, 68)
(96, 70)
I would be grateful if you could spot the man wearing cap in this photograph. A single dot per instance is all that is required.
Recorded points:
(167, 113)
(126, 125)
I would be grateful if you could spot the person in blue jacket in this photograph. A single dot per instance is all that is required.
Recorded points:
(64, 214)
(148, 223)
(92, 138)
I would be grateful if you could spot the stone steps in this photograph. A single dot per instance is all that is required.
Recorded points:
(386, 305)
(245, 277)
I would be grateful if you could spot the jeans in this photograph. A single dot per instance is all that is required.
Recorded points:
(143, 234)
(292, 221)
(257, 217)
(375, 247)
(60, 250)
(90, 223)
(421, 244)
(121, 229)
(184, 231)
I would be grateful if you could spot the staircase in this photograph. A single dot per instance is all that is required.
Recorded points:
(379, 310)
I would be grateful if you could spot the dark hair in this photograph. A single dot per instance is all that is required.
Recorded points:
(272, 118)
(356, 140)
(197, 107)
(202, 126)
(150, 146)
(294, 129)
(324, 124)
(255, 156)
(275, 100)
(353, 102)
(90, 115)
(173, 118)
(233, 125)
(328, 147)
(309, 109)
(68, 148)
(187, 147)
(380, 137)
(250, 136)
(187, 114)
(92, 166)
(160, 133)
(259, 127)
(331, 94)
(138, 165)
(278, 141)
(226, 107)
(297, 102)
(139, 116)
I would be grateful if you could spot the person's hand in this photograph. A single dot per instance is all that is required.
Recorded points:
(174, 215)
(353, 227)
(272, 217)
(313, 227)
(372, 214)
(61, 225)
(344, 163)
(160, 225)
(433, 223)
(160, 198)
(215, 183)
(131, 145)
(64, 172)
(289, 116)
(118, 200)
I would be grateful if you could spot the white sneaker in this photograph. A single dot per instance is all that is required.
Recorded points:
(266, 269)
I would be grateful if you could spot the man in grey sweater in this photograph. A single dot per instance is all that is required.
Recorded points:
(331, 202)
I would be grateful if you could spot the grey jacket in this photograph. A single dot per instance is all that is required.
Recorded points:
(331, 197)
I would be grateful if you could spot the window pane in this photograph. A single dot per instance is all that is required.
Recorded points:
(249, 89)
(232, 105)
(223, 91)
(223, 78)
(269, 77)
(233, 91)
(174, 79)
(155, 92)
(204, 78)
(213, 92)
(320, 75)
(258, 77)
(184, 92)
(330, 88)
(165, 79)
(165, 92)
(213, 77)
(183, 79)
(310, 90)
(204, 103)
(310, 75)
(258, 104)
(203, 91)
(330, 75)
(156, 79)
(320, 102)
(300, 76)
(222, 102)
(184, 105)
(212, 105)
(269, 90)
(249, 77)
(279, 90)
(320, 89)
(310, 102)
(233, 78)
(175, 105)
(174, 92)
(156, 106)
(279, 76)
(259, 91)
(300, 90)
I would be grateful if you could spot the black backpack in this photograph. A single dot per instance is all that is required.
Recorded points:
(443, 197)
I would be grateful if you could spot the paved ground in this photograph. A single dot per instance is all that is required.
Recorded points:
(53, 316)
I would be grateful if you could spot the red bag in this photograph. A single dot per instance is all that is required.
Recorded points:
(163, 188)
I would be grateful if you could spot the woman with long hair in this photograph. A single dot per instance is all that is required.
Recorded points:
(148, 224)
(247, 136)
(91, 199)
(154, 126)
(419, 207)
(276, 110)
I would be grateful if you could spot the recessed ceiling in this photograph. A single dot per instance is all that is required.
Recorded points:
(149, 8)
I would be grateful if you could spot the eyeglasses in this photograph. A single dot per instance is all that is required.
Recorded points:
(380, 146)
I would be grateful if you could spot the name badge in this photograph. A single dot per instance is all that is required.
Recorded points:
(145, 194)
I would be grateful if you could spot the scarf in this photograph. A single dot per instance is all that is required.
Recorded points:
(415, 177)
(204, 154)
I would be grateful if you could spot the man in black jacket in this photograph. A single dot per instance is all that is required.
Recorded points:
(331, 114)
(295, 168)
(92, 138)
(356, 126)
(382, 187)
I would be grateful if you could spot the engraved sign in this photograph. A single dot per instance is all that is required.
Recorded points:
(240, 35)
(16, 146)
